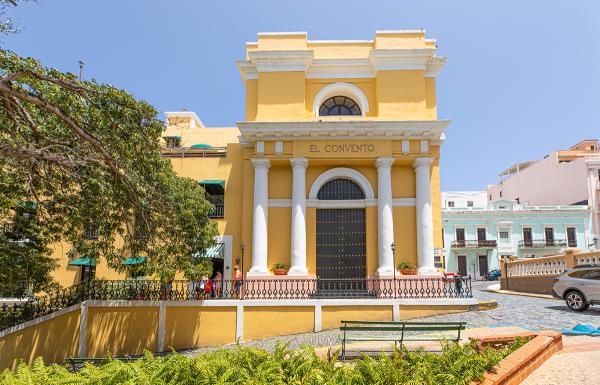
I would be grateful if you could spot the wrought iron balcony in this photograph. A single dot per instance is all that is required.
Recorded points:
(542, 243)
(474, 244)
(190, 152)
(218, 211)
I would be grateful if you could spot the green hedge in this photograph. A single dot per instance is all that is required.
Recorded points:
(242, 365)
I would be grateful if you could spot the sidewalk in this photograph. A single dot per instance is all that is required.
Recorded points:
(495, 288)
(575, 364)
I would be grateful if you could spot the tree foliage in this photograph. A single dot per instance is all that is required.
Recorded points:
(89, 156)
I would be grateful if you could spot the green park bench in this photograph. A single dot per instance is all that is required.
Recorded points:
(398, 332)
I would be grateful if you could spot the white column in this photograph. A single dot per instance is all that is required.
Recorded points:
(424, 217)
(260, 217)
(385, 217)
(298, 240)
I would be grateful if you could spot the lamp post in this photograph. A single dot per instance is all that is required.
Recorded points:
(393, 247)
(242, 248)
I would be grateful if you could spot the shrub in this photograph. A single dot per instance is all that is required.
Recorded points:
(250, 366)
(406, 265)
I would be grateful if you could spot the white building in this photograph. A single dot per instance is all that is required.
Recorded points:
(564, 177)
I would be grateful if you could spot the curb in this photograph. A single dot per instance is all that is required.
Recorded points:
(509, 292)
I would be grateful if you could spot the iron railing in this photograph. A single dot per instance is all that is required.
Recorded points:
(541, 243)
(474, 244)
(218, 211)
(248, 289)
(189, 152)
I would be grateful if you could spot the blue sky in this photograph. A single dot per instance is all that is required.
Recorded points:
(521, 80)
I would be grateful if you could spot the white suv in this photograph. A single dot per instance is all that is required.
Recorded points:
(579, 287)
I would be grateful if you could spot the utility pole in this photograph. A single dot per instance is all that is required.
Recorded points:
(81, 64)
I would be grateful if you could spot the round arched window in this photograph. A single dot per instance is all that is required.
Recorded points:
(340, 189)
(339, 105)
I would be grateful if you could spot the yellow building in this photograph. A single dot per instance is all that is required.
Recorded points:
(337, 159)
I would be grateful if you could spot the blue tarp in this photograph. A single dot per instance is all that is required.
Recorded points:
(580, 329)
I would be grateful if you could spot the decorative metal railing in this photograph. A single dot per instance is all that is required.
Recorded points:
(474, 244)
(190, 152)
(541, 243)
(248, 289)
(218, 211)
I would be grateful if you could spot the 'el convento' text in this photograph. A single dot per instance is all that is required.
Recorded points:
(337, 159)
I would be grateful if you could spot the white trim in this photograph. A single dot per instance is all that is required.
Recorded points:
(227, 241)
(341, 204)
(396, 312)
(397, 202)
(353, 129)
(318, 318)
(404, 202)
(401, 59)
(341, 89)
(288, 302)
(162, 315)
(280, 203)
(260, 147)
(281, 61)
(405, 146)
(278, 147)
(424, 146)
(239, 322)
(81, 350)
(341, 172)
(341, 69)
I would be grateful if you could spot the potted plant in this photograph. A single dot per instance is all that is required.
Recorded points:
(280, 268)
(407, 268)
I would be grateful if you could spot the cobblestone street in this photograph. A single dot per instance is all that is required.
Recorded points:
(512, 310)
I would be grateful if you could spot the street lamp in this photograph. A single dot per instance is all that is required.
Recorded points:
(393, 247)
(242, 248)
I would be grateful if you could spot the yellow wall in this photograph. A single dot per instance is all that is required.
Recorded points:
(281, 96)
(332, 315)
(187, 327)
(121, 330)
(54, 340)
(130, 330)
(266, 321)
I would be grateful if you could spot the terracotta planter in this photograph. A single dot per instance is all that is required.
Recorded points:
(280, 271)
(408, 271)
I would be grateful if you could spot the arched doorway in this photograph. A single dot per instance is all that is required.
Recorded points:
(340, 235)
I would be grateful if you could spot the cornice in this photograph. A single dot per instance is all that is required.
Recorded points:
(303, 60)
(281, 61)
(340, 130)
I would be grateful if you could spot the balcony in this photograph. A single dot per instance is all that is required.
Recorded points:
(191, 152)
(218, 211)
(542, 243)
(474, 244)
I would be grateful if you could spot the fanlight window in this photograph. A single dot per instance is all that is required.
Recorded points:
(339, 105)
(340, 189)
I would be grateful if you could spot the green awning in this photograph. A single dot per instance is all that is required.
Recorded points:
(172, 137)
(83, 262)
(213, 186)
(201, 145)
(134, 261)
(215, 251)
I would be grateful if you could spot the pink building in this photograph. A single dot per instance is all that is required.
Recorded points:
(564, 177)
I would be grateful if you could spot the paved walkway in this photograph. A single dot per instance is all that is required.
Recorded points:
(513, 310)
(576, 364)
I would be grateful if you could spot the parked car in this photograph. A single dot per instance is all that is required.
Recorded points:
(493, 275)
(579, 287)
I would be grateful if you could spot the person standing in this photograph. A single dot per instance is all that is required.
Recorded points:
(237, 281)
(218, 282)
